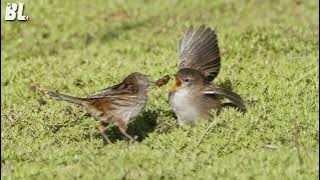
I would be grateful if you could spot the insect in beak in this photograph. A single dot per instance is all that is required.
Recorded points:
(160, 82)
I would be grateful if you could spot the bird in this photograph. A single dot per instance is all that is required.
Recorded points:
(192, 96)
(115, 105)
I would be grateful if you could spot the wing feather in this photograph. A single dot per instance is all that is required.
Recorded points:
(199, 50)
(233, 97)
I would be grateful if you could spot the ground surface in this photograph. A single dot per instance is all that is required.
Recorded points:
(269, 56)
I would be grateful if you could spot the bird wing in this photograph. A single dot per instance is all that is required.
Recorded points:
(116, 90)
(233, 97)
(199, 50)
(113, 98)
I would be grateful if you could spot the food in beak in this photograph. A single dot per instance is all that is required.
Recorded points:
(163, 81)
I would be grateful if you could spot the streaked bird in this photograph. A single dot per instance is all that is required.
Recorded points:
(116, 105)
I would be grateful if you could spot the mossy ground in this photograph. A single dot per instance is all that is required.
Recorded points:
(269, 55)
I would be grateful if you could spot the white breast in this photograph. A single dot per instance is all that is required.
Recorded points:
(181, 104)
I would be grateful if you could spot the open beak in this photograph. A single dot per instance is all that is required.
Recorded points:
(176, 84)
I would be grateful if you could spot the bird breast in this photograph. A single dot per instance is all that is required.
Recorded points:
(182, 103)
(138, 104)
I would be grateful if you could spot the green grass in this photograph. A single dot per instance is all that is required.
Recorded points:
(270, 55)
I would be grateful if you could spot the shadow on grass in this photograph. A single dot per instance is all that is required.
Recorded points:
(140, 127)
(226, 84)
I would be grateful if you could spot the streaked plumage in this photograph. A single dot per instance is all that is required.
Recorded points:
(117, 104)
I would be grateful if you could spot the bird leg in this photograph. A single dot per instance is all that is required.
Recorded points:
(102, 127)
(124, 132)
(123, 129)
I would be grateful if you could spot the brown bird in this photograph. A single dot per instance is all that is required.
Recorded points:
(116, 104)
(192, 95)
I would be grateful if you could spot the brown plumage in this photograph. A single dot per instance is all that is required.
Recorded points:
(117, 104)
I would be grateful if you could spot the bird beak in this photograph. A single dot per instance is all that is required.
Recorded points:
(176, 84)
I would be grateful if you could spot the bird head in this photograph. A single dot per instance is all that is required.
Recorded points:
(188, 78)
(139, 80)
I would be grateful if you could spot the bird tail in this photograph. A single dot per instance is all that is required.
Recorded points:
(62, 97)
(235, 99)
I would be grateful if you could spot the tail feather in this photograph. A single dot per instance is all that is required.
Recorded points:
(233, 97)
(62, 97)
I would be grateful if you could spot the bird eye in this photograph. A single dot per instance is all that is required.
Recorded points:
(186, 80)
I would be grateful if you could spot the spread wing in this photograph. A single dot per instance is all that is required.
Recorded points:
(199, 50)
(233, 97)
